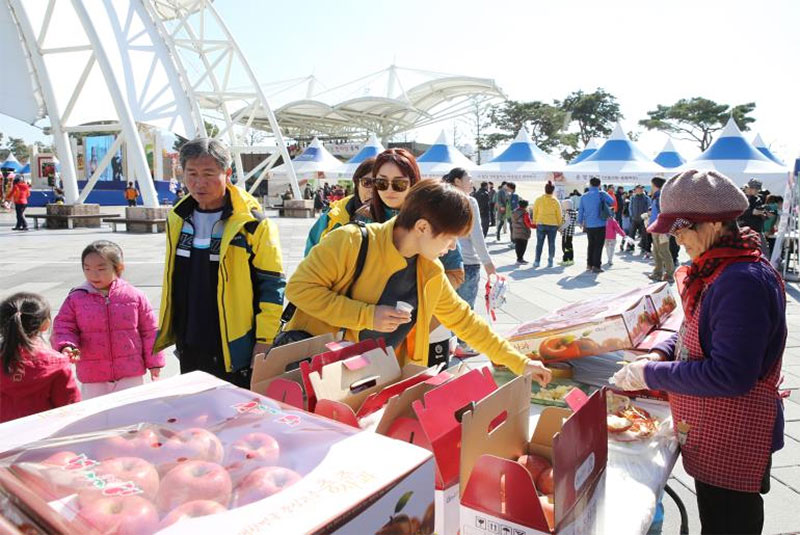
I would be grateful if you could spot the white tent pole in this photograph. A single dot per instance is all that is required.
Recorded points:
(69, 176)
(135, 150)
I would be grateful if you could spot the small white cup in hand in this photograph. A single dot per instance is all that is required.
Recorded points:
(402, 306)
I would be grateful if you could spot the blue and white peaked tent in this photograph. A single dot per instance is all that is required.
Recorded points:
(669, 156)
(314, 161)
(11, 163)
(371, 149)
(26, 169)
(735, 157)
(590, 149)
(763, 149)
(521, 160)
(618, 160)
(441, 157)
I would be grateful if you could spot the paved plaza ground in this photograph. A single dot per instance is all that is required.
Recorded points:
(48, 262)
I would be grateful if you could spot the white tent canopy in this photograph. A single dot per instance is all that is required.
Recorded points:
(370, 149)
(763, 149)
(669, 157)
(735, 157)
(590, 149)
(521, 160)
(618, 160)
(441, 157)
(314, 162)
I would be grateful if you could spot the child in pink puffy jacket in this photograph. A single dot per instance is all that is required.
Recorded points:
(612, 231)
(107, 326)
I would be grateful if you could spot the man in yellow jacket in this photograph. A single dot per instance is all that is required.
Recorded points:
(222, 294)
(401, 265)
(547, 217)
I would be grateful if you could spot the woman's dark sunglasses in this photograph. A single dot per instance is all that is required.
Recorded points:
(365, 181)
(398, 184)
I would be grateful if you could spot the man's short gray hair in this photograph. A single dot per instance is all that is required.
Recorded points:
(206, 146)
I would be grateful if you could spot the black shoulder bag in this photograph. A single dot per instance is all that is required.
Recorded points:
(287, 337)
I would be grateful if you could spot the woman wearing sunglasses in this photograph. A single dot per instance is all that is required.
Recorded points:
(723, 368)
(401, 265)
(343, 211)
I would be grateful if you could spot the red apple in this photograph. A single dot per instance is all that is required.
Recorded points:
(255, 446)
(535, 465)
(126, 476)
(194, 480)
(142, 443)
(544, 483)
(263, 483)
(195, 444)
(128, 515)
(60, 474)
(548, 506)
(191, 510)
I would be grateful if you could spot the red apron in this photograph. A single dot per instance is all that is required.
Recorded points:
(725, 441)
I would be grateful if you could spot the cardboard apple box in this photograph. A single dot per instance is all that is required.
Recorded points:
(588, 328)
(439, 413)
(498, 493)
(277, 374)
(351, 389)
(663, 300)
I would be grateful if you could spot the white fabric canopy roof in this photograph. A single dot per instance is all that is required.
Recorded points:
(441, 157)
(370, 149)
(313, 160)
(521, 160)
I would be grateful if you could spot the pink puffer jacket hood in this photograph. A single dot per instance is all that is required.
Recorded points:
(115, 334)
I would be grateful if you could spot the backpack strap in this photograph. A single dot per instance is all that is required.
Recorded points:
(290, 309)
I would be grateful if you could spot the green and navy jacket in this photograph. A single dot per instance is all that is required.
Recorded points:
(250, 284)
(340, 213)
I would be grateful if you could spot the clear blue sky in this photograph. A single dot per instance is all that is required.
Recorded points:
(644, 52)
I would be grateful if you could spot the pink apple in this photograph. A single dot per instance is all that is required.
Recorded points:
(191, 510)
(54, 476)
(127, 475)
(256, 447)
(194, 480)
(194, 444)
(142, 443)
(263, 483)
(128, 515)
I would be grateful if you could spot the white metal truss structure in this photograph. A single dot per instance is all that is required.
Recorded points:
(218, 78)
(386, 102)
(100, 66)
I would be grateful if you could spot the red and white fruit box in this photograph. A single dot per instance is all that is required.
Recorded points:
(588, 328)
(193, 454)
(497, 491)
(663, 300)
(277, 374)
(439, 413)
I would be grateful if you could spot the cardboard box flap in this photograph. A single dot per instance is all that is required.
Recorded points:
(377, 400)
(323, 358)
(339, 381)
(277, 362)
(440, 412)
(503, 488)
(579, 453)
(498, 425)
(286, 391)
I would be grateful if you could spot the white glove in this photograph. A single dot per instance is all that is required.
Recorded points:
(631, 377)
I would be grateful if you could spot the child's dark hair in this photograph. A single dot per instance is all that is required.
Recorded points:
(443, 206)
(21, 319)
(108, 250)
(523, 203)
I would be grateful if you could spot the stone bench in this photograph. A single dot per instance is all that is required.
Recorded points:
(130, 224)
(68, 218)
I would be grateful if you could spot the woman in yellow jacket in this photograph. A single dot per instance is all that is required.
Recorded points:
(400, 266)
(547, 216)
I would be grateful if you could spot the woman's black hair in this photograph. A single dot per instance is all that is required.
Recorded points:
(21, 319)
(453, 174)
(523, 203)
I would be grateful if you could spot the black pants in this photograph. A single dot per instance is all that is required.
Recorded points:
(637, 226)
(520, 246)
(674, 249)
(20, 210)
(131, 202)
(594, 253)
(192, 360)
(491, 215)
(647, 242)
(725, 512)
(485, 224)
(566, 247)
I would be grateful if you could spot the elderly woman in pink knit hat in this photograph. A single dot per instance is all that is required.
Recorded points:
(722, 369)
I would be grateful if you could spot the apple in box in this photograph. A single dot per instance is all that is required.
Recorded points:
(263, 483)
(193, 509)
(534, 482)
(143, 443)
(194, 480)
(124, 476)
(126, 515)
